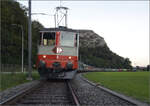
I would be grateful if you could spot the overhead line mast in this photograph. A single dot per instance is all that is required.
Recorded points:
(29, 43)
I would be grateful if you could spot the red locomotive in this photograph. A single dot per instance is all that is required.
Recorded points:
(58, 53)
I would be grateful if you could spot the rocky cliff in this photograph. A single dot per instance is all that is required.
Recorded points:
(89, 38)
(94, 51)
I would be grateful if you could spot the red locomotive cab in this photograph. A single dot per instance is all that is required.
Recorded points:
(58, 51)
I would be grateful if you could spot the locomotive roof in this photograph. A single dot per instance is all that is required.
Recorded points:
(57, 29)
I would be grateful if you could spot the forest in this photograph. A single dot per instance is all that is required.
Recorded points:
(14, 15)
(103, 57)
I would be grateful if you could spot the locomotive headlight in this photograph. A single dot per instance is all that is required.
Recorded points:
(44, 56)
(69, 57)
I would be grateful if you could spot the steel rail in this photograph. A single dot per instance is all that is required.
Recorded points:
(75, 98)
(13, 99)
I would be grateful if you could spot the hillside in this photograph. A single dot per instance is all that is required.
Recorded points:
(94, 51)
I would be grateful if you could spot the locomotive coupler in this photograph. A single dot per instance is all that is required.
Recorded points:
(69, 65)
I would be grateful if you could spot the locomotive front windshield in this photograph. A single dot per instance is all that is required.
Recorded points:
(48, 38)
(67, 39)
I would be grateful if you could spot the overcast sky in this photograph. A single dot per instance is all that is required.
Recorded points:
(123, 24)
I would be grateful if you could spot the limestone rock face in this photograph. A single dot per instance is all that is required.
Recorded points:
(89, 38)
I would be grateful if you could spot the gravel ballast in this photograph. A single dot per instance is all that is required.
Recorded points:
(13, 91)
(93, 96)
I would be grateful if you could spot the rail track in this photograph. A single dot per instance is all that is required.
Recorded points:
(58, 92)
(68, 93)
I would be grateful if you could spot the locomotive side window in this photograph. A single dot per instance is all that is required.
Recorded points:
(48, 38)
(67, 39)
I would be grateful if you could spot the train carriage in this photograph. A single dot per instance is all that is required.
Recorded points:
(57, 56)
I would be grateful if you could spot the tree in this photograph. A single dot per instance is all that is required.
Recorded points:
(127, 63)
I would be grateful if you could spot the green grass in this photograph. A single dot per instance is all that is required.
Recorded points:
(9, 80)
(134, 84)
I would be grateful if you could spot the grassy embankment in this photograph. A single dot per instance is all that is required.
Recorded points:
(9, 80)
(134, 84)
